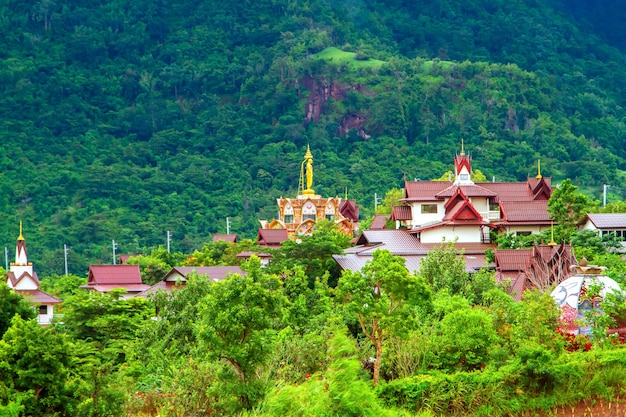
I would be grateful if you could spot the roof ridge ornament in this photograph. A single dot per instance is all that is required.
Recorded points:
(21, 236)
(538, 169)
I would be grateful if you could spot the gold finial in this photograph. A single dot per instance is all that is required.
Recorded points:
(538, 169)
(552, 242)
(308, 154)
(21, 237)
(462, 146)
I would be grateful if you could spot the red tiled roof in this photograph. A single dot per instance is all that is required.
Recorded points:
(525, 211)
(349, 210)
(468, 191)
(38, 296)
(355, 262)
(225, 237)
(15, 280)
(424, 190)
(512, 259)
(401, 213)
(216, 273)
(271, 237)
(397, 241)
(114, 274)
(509, 191)
(608, 220)
(379, 222)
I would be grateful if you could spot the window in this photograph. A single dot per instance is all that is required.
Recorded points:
(308, 217)
(464, 177)
(330, 217)
(288, 218)
(524, 233)
(429, 208)
(43, 310)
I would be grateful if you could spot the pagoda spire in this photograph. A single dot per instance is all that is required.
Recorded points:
(21, 257)
(538, 169)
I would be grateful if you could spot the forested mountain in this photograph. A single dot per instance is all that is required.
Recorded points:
(123, 120)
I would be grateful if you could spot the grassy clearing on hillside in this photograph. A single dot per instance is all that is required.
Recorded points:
(337, 56)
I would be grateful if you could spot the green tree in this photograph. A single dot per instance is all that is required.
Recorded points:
(11, 304)
(443, 268)
(391, 199)
(381, 297)
(35, 366)
(567, 208)
(238, 320)
(63, 286)
(313, 253)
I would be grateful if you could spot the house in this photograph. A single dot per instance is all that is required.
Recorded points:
(22, 278)
(402, 243)
(538, 267)
(232, 238)
(467, 211)
(177, 277)
(271, 237)
(607, 223)
(264, 257)
(104, 278)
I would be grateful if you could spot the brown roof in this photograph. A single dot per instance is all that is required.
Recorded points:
(468, 191)
(401, 213)
(535, 212)
(15, 280)
(38, 296)
(271, 237)
(216, 273)
(397, 241)
(349, 210)
(424, 190)
(512, 259)
(379, 222)
(114, 274)
(356, 261)
(225, 237)
(608, 220)
(247, 254)
(509, 191)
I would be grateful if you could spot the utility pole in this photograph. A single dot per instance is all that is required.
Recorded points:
(169, 239)
(114, 247)
(6, 258)
(65, 250)
(227, 226)
(604, 188)
(377, 201)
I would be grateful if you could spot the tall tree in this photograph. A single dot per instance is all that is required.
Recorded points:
(568, 207)
(381, 296)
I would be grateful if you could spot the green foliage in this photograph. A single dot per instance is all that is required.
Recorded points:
(381, 297)
(390, 200)
(35, 365)
(567, 208)
(238, 317)
(443, 268)
(63, 286)
(12, 304)
(312, 253)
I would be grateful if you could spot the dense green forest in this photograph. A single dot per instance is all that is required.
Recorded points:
(124, 120)
(282, 340)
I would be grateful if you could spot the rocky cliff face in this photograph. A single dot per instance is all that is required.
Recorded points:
(320, 91)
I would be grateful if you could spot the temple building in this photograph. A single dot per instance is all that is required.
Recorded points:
(468, 211)
(23, 280)
(299, 215)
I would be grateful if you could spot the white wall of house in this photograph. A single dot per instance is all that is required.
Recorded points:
(46, 317)
(420, 218)
(25, 284)
(465, 234)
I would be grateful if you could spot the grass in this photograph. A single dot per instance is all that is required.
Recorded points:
(337, 56)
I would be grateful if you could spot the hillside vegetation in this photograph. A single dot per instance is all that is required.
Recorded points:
(123, 120)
